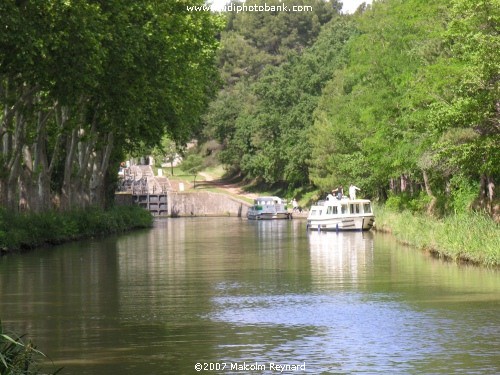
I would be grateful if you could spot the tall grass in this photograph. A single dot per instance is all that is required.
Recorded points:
(30, 230)
(18, 357)
(470, 236)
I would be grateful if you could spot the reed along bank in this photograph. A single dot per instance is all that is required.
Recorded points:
(471, 237)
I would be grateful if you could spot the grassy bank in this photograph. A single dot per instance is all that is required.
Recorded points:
(27, 231)
(469, 237)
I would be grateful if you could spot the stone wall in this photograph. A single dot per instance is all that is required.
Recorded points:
(200, 203)
(205, 203)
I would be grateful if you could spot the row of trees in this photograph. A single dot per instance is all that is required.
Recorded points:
(417, 103)
(402, 96)
(273, 74)
(83, 82)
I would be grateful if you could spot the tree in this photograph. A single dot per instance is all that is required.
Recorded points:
(262, 121)
(277, 32)
(469, 119)
(80, 79)
(167, 151)
(362, 131)
(193, 164)
(50, 55)
(416, 106)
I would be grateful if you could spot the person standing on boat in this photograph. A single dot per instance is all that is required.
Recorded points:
(339, 192)
(352, 191)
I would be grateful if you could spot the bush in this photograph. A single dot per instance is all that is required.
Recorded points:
(26, 231)
(463, 194)
(406, 201)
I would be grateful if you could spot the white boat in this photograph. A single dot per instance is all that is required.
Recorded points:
(268, 208)
(343, 214)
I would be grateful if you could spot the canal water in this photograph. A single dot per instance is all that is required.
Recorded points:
(228, 296)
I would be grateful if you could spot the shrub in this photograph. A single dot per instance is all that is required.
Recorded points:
(463, 193)
(25, 231)
(17, 357)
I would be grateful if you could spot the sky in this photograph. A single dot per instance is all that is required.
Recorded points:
(349, 5)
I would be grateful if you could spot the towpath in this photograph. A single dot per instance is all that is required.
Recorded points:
(231, 186)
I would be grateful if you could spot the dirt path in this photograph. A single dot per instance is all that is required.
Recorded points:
(231, 187)
(234, 188)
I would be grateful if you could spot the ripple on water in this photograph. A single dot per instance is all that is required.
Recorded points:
(331, 332)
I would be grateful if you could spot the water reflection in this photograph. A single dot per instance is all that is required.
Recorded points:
(225, 289)
(275, 234)
(343, 257)
(343, 323)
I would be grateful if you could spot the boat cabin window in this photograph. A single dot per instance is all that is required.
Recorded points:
(367, 208)
(345, 209)
(331, 210)
(354, 208)
(313, 213)
(265, 203)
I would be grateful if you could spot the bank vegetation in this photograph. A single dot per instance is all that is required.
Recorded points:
(469, 238)
(20, 232)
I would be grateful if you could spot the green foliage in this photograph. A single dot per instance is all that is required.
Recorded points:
(275, 33)
(466, 237)
(405, 201)
(18, 357)
(463, 194)
(192, 164)
(360, 132)
(26, 231)
(101, 74)
(402, 89)
(262, 123)
(254, 40)
(167, 151)
(159, 71)
(463, 120)
(418, 93)
(239, 59)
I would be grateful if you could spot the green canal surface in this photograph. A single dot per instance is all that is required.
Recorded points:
(229, 296)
